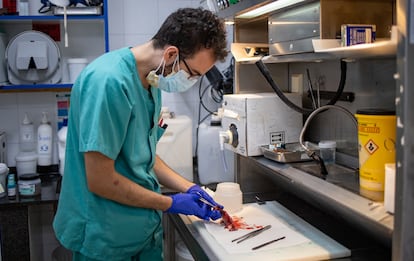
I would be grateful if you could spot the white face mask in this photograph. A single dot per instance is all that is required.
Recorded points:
(174, 82)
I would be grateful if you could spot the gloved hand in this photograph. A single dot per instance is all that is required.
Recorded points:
(188, 204)
(196, 189)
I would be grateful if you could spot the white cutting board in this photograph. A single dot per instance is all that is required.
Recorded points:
(302, 242)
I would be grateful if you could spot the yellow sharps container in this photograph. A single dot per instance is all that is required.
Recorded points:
(376, 146)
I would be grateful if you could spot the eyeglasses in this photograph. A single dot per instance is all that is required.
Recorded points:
(192, 75)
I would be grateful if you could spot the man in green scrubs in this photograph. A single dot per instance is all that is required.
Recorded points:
(110, 206)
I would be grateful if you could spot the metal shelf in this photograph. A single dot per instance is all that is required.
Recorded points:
(323, 51)
(36, 87)
(15, 18)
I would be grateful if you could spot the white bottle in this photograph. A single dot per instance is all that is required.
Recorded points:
(62, 146)
(27, 135)
(44, 142)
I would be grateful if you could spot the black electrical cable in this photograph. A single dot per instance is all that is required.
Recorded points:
(216, 94)
(200, 96)
(265, 72)
(341, 84)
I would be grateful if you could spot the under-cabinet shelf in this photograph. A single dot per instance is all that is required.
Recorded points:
(324, 49)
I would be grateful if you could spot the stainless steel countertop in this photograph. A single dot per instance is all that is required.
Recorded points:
(338, 193)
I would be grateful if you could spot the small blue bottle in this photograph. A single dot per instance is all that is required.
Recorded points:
(11, 186)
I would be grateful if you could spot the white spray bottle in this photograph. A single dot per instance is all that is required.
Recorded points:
(44, 142)
(27, 135)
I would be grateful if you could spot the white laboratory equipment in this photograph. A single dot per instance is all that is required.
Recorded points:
(175, 147)
(252, 120)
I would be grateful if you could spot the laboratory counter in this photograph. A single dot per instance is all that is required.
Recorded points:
(203, 245)
(300, 189)
(14, 217)
(334, 206)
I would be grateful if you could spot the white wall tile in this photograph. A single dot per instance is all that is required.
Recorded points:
(136, 39)
(8, 100)
(140, 17)
(166, 7)
(116, 17)
(116, 41)
(9, 123)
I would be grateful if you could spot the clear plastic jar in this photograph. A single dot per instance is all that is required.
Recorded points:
(327, 150)
(29, 185)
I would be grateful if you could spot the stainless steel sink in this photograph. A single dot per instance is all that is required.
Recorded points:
(337, 174)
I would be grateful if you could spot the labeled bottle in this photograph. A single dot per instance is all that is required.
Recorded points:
(44, 142)
(11, 186)
(27, 135)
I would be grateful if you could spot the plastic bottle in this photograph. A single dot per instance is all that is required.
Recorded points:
(11, 186)
(27, 135)
(44, 142)
(62, 145)
(214, 165)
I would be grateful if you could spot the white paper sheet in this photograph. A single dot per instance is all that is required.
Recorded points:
(253, 215)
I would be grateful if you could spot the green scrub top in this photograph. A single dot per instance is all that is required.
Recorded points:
(111, 113)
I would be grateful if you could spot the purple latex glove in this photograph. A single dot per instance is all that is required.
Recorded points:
(189, 204)
(196, 189)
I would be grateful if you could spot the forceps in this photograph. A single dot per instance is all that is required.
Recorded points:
(251, 234)
(205, 201)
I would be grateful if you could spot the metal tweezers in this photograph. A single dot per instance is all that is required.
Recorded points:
(205, 201)
(251, 234)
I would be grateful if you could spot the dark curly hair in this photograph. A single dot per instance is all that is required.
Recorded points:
(190, 29)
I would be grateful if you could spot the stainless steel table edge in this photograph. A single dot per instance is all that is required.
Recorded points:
(364, 213)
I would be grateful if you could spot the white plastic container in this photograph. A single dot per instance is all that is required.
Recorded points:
(4, 171)
(29, 185)
(26, 162)
(75, 66)
(27, 135)
(327, 150)
(230, 196)
(176, 148)
(62, 133)
(44, 142)
(389, 190)
(212, 167)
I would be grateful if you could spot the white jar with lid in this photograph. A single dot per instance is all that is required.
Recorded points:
(26, 162)
(230, 196)
(29, 185)
(327, 151)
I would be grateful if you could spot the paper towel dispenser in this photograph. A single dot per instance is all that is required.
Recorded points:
(33, 57)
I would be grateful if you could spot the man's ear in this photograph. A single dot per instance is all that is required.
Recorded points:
(170, 55)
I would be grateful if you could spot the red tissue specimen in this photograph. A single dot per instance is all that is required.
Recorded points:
(235, 223)
(227, 220)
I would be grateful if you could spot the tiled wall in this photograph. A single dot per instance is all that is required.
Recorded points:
(13, 107)
(134, 22)
(131, 22)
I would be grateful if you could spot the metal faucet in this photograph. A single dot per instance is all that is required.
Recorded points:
(312, 154)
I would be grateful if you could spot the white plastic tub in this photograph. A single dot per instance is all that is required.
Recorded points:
(26, 163)
(75, 66)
